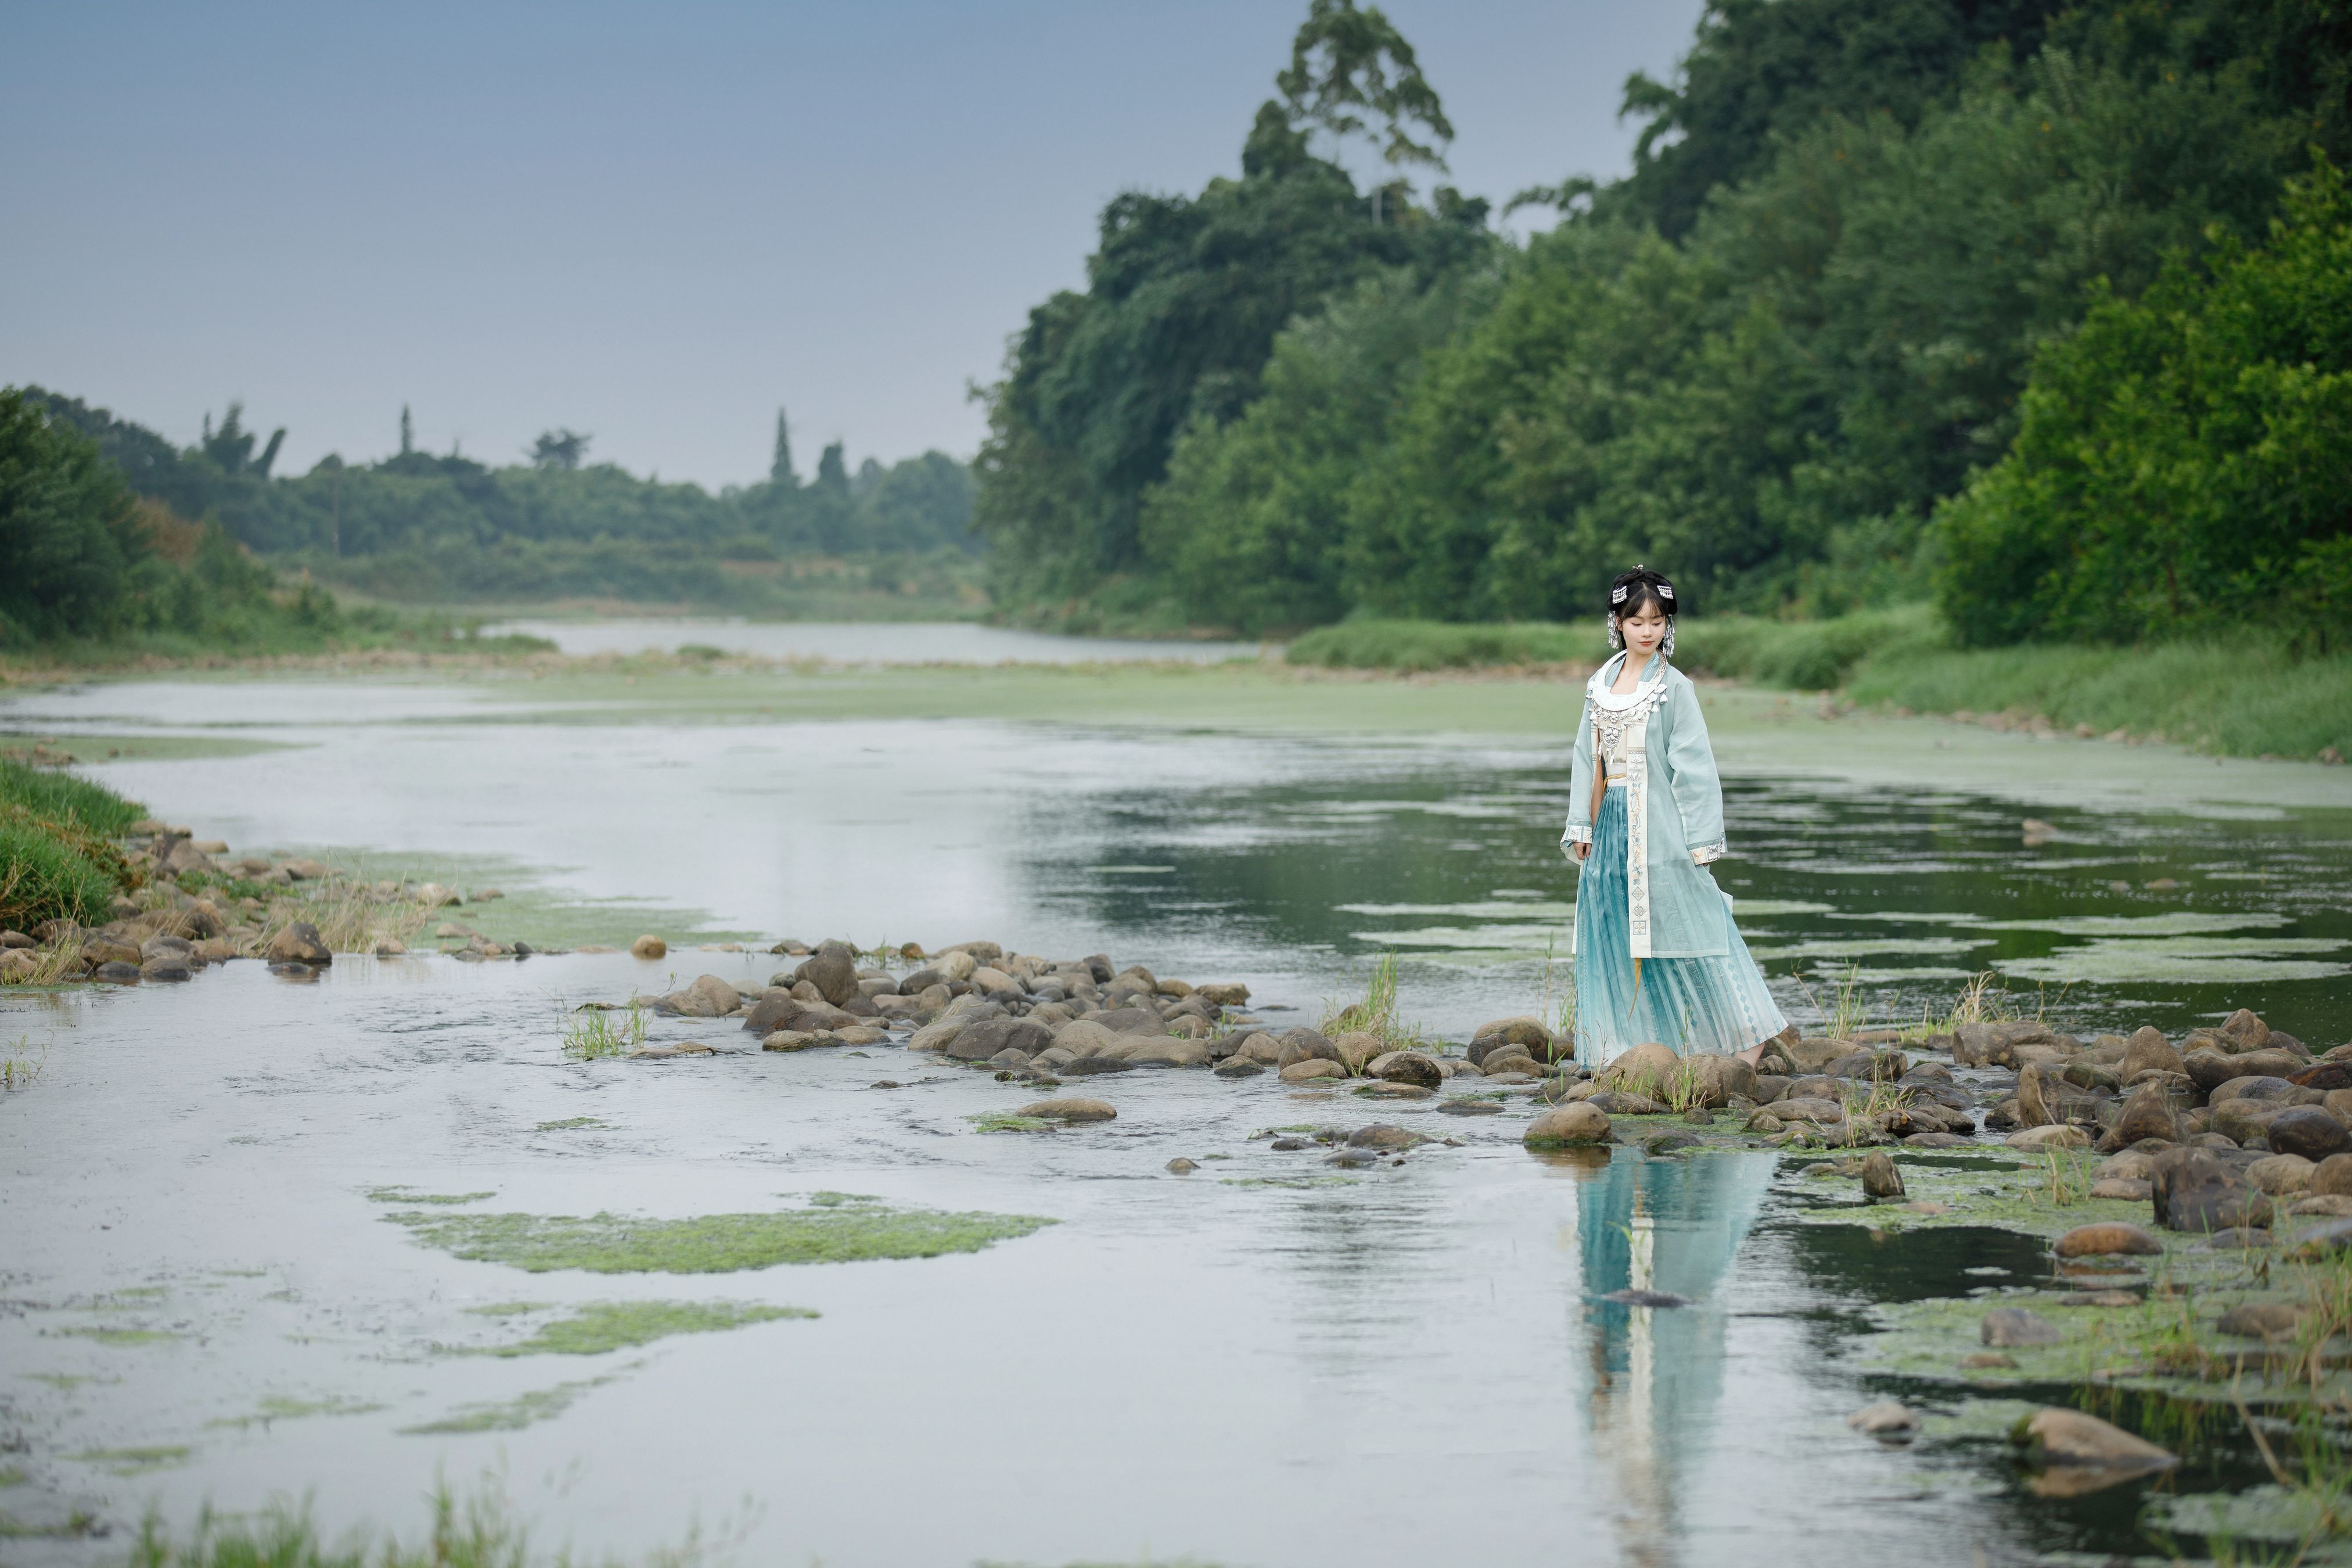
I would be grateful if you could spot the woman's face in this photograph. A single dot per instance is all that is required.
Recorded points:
(1642, 630)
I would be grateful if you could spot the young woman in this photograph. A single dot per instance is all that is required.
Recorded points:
(1657, 955)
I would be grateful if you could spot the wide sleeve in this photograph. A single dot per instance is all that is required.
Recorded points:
(1690, 768)
(1580, 787)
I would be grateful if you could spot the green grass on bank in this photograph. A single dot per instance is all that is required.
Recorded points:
(56, 860)
(2249, 698)
(352, 628)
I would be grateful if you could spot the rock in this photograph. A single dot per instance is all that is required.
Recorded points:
(1312, 1069)
(1165, 1052)
(298, 943)
(1223, 994)
(1382, 1136)
(1805, 1108)
(167, 968)
(2245, 1031)
(2323, 1240)
(1238, 1067)
(1092, 1067)
(666, 1052)
(2308, 1131)
(2261, 1319)
(648, 947)
(2242, 1122)
(1658, 1145)
(707, 998)
(306, 871)
(2146, 1114)
(2199, 1190)
(2335, 1205)
(2132, 1190)
(2071, 1437)
(1622, 1102)
(2106, 1239)
(1309, 1043)
(1646, 1071)
(1510, 1059)
(2333, 1175)
(2057, 1137)
(1565, 1125)
(1069, 1108)
(1180, 1166)
(1890, 1420)
(114, 971)
(1407, 1067)
(2005, 1327)
(1981, 1360)
(832, 970)
(1996, 1045)
(2281, 1175)
(1262, 1048)
(2148, 1048)
(1526, 1033)
(1488, 1107)
(1357, 1050)
(796, 1040)
(1880, 1179)
(2322, 1076)
(2033, 1108)
(984, 1038)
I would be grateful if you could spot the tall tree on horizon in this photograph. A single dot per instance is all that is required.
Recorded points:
(780, 467)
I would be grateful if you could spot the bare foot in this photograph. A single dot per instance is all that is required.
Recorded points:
(1753, 1056)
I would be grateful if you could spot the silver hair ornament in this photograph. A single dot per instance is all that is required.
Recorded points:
(1667, 648)
(1614, 640)
(1617, 594)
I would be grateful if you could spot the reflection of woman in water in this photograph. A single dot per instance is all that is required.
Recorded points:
(1657, 955)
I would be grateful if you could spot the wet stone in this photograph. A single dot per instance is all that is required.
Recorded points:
(2108, 1238)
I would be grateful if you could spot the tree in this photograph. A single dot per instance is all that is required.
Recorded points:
(68, 537)
(559, 449)
(780, 466)
(1346, 63)
(407, 432)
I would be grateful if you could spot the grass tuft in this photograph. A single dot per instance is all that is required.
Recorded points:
(711, 1244)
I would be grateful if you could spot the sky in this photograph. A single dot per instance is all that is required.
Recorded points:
(656, 223)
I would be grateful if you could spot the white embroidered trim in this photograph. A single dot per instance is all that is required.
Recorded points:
(1621, 733)
(1708, 853)
(1576, 835)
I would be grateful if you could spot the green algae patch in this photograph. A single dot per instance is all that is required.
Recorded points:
(834, 1200)
(711, 1244)
(571, 1123)
(509, 1309)
(507, 1415)
(604, 1326)
(410, 1195)
(276, 1409)
(137, 1461)
(2044, 1197)
(994, 1123)
(106, 1336)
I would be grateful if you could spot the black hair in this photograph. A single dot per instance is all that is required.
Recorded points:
(1640, 589)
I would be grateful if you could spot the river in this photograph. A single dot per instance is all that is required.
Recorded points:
(1266, 1361)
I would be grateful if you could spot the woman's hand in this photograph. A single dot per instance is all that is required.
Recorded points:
(1579, 851)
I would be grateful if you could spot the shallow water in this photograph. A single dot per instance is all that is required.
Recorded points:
(859, 642)
(1268, 1361)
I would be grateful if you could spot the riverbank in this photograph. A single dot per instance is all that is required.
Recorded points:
(2257, 698)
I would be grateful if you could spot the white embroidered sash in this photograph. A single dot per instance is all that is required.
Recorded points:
(1621, 736)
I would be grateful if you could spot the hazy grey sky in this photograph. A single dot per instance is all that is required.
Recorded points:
(655, 223)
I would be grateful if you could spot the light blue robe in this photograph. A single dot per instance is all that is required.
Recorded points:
(1688, 915)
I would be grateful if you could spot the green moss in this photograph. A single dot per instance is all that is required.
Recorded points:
(122, 1336)
(409, 1195)
(834, 1200)
(276, 1409)
(711, 1244)
(570, 1123)
(509, 1309)
(602, 1326)
(508, 1414)
(994, 1123)
(66, 1382)
(138, 1461)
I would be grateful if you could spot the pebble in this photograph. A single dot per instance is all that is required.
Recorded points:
(2062, 1437)
(2261, 1319)
(1180, 1166)
(2107, 1237)
(1889, 1420)
(649, 947)
(1582, 1122)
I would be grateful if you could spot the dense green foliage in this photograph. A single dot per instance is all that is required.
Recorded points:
(82, 557)
(2185, 459)
(556, 525)
(54, 858)
(1762, 362)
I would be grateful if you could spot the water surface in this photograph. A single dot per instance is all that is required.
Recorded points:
(1268, 1361)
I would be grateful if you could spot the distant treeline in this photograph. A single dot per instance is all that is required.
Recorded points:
(2037, 310)
(556, 524)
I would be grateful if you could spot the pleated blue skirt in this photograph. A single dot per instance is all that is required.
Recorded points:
(1710, 1004)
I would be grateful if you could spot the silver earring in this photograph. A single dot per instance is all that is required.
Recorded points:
(1668, 649)
(1614, 640)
